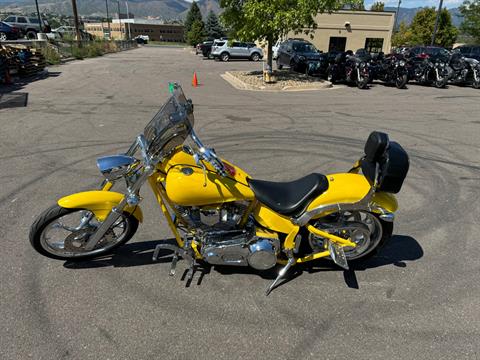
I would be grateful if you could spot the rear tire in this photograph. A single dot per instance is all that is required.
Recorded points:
(255, 57)
(55, 213)
(369, 247)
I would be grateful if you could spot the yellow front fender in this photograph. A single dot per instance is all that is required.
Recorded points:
(386, 201)
(99, 202)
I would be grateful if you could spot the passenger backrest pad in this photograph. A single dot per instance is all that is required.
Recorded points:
(375, 147)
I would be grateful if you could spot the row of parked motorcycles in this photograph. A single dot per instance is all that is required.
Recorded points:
(361, 69)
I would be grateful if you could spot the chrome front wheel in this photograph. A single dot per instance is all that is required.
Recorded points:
(62, 233)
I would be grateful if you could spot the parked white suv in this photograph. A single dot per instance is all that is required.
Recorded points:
(237, 50)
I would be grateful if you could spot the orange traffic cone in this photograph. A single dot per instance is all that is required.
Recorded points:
(194, 80)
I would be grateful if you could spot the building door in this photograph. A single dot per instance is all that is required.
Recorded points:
(337, 43)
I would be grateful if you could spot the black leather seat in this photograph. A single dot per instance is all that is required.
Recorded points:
(289, 198)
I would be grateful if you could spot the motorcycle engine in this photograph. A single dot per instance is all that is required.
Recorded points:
(224, 242)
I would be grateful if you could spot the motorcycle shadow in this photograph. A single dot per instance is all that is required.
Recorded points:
(400, 248)
(130, 254)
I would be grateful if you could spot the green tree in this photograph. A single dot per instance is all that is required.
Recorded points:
(252, 20)
(213, 28)
(193, 15)
(197, 33)
(354, 5)
(403, 36)
(470, 10)
(378, 6)
(423, 24)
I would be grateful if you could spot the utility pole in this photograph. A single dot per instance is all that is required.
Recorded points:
(75, 16)
(436, 22)
(128, 17)
(39, 18)
(108, 20)
(396, 15)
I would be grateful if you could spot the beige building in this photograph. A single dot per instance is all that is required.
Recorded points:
(351, 30)
(155, 30)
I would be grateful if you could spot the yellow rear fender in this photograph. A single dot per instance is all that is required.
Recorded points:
(98, 202)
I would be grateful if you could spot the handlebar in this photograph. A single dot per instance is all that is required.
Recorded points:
(208, 155)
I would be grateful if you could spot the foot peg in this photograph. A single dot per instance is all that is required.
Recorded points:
(281, 274)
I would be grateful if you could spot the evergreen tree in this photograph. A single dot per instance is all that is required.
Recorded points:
(197, 33)
(213, 28)
(423, 24)
(378, 6)
(193, 15)
(470, 11)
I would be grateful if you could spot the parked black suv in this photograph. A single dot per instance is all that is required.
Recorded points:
(469, 51)
(301, 56)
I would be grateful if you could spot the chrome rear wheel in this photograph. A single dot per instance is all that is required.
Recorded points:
(363, 228)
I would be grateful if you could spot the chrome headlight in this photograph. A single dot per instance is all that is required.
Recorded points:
(117, 166)
(362, 65)
(402, 63)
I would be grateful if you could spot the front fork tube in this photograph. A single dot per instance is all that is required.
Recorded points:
(160, 196)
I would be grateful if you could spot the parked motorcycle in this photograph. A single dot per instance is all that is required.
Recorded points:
(429, 71)
(391, 69)
(466, 71)
(350, 69)
(218, 213)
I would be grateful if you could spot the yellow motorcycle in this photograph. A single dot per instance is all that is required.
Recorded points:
(218, 213)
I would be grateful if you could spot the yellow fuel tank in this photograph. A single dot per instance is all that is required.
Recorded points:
(186, 184)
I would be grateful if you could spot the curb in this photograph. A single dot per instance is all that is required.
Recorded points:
(241, 85)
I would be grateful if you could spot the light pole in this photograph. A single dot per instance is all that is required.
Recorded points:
(128, 17)
(436, 22)
(119, 20)
(108, 20)
(396, 15)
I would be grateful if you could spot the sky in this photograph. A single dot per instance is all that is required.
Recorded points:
(417, 3)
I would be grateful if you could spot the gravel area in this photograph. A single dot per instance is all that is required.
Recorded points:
(286, 80)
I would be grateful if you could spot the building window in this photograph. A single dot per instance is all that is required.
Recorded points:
(337, 43)
(373, 45)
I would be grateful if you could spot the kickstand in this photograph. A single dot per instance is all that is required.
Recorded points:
(281, 274)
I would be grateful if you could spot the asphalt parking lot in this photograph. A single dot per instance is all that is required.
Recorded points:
(418, 300)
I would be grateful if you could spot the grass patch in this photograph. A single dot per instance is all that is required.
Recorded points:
(167, 43)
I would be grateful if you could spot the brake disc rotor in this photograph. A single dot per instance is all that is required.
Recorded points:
(76, 241)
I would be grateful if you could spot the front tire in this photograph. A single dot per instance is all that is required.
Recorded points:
(362, 83)
(401, 81)
(3, 36)
(56, 219)
(476, 84)
(31, 35)
(225, 56)
(441, 82)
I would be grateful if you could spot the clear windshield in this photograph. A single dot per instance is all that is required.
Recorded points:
(171, 125)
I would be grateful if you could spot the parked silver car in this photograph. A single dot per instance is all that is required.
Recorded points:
(29, 26)
(221, 49)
